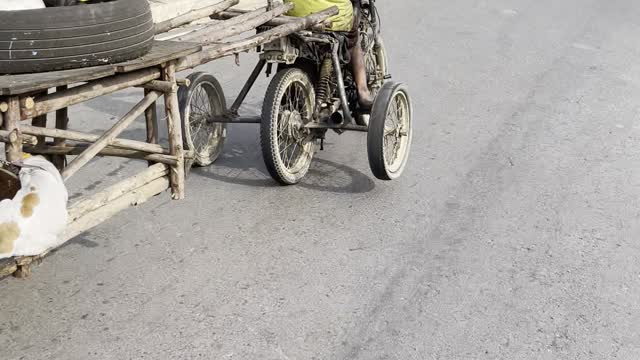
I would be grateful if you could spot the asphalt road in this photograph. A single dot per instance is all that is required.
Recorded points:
(512, 235)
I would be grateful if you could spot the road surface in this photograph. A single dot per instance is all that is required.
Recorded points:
(513, 234)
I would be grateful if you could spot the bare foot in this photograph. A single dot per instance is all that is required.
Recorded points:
(365, 99)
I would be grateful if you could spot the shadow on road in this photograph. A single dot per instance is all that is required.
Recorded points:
(241, 163)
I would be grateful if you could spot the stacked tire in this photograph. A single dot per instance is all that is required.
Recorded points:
(69, 37)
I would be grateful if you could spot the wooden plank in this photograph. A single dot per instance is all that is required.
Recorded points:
(26, 83)
(101, 198)
(162, 52)
(134, 198)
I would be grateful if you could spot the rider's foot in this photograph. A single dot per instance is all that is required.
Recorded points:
(365, 100)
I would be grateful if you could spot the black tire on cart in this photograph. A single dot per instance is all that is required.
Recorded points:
(390, 131)
(287, 147)
(200, 102)
(68, 37)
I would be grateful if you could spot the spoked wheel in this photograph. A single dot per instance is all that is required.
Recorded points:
(287, 146)
(389, 138)
(199, 103)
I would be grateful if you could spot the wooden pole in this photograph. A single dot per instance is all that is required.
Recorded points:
(194, 15)
(174, 125)
(133, 198)
(69, 149)
(235, 26)
(219, 51)
(108, 137)
(82, 137)
(11, 124)
(91, 90)
(5, 136)
(40, 121)
(101, 198)
(62, 123)
(160, 86)
(151, 120)
(27, 103)
(280, 20)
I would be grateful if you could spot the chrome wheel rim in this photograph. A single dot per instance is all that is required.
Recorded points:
(294, 144)
(397, 129)
(203, 134)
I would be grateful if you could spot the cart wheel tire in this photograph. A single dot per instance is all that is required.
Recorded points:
(390, 131)
(202, 100)
(286, 148)
(68, 37)
(377, 72)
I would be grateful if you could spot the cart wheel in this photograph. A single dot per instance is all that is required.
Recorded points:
(287, 147)
(389, 138)
(199, 102)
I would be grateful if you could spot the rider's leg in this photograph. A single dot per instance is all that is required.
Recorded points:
(360, 74)
(358, 66)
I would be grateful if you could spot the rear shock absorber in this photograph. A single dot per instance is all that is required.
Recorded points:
(323, 94)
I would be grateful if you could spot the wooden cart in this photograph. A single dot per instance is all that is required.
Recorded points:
(28, 98)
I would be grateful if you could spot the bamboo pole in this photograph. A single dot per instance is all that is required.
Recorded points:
(235, 26)
(11, 124)
(108, 137)
(194, 15)
(107, 151)
(91, 90)
(134, 198)
(174, 125)
(219, 51)
(82, 137)
(101, 198)
(280, 20)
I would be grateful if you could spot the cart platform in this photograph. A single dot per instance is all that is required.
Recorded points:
(29, 98)
(161, 52)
